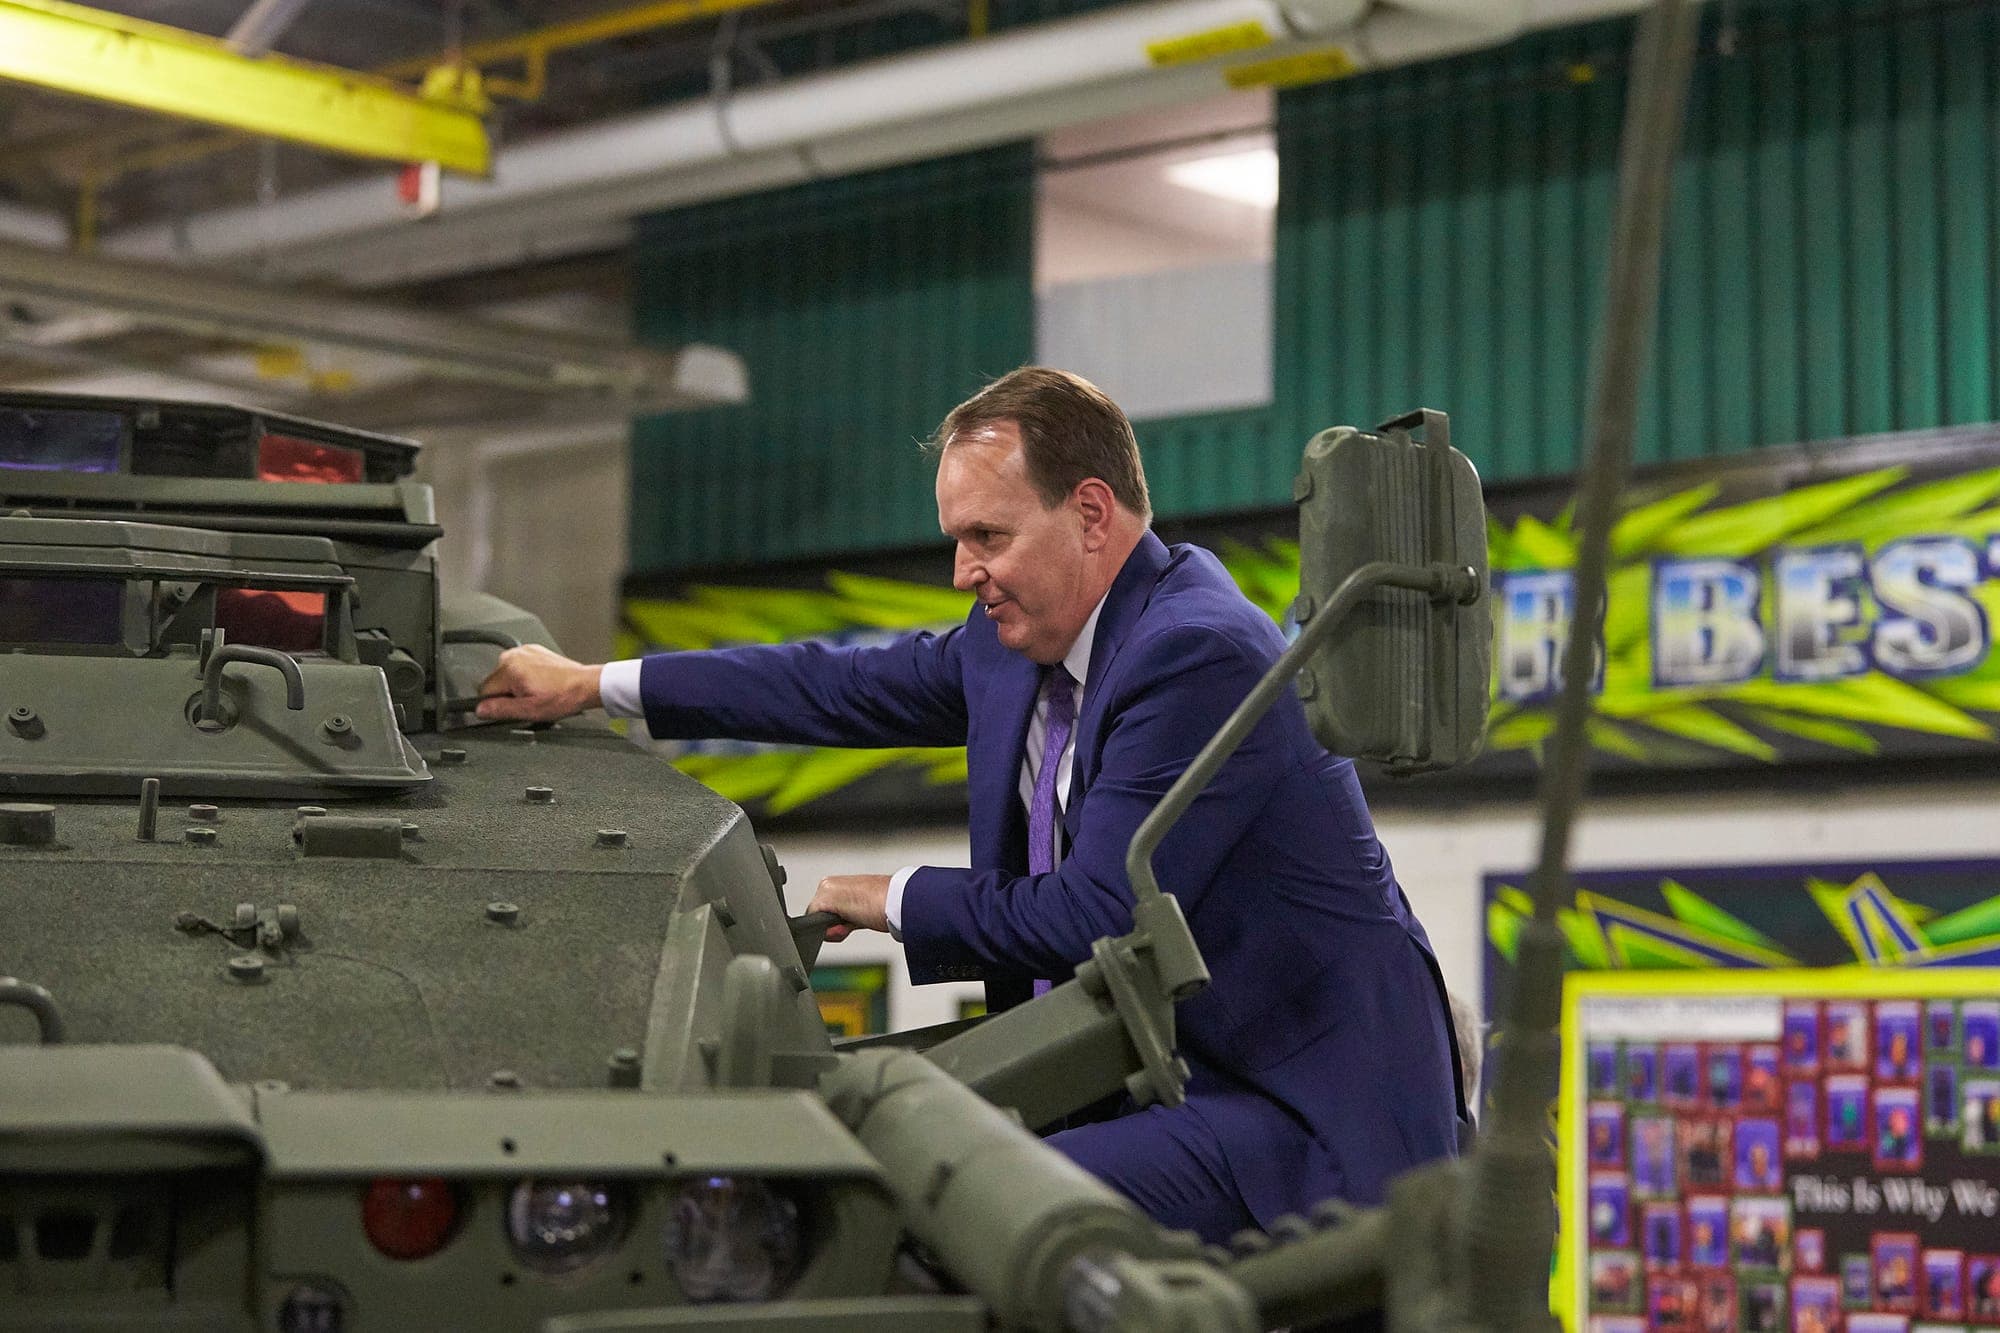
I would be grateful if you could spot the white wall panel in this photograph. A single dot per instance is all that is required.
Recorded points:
(1441, 856)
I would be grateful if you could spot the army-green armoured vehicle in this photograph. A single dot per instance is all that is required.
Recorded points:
(332, 1008)
(395, 1024)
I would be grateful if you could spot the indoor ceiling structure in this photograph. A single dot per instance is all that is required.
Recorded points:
(183, 235)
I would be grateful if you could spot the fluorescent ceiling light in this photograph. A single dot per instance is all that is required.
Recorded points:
(1248, 176)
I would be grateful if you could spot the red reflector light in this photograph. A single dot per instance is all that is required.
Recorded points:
(287, 458)
(409, 1219)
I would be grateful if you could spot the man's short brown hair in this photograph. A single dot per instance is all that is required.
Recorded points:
(1070, 431)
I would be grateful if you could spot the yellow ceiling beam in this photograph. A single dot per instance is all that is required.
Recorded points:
(89, 53)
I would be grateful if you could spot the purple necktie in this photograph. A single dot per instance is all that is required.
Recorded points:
(1059, 689)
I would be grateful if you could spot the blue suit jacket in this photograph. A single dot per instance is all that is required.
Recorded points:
(1325, 997)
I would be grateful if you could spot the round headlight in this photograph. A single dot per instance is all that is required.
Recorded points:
(560, 1226)
(733, 1240)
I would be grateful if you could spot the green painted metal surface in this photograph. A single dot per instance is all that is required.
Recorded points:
(1440, 239)
(865, 308)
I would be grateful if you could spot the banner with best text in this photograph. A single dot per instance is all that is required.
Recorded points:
(1832, 602)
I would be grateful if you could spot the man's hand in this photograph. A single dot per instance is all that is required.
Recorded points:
(537, 685)
(862, 901)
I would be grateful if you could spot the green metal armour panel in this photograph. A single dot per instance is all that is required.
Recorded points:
(865, 307)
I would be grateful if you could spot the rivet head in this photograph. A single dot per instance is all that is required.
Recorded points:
(208, 812)
(199, 836)
(525, 735)
(623, 1070)
(505, 914)
(503, 1078)
(542, 795)
(411, 830)
(337, 725)
(25, 722)
(611, 837)
(27, 825)
(451, 755)
(246, 967)
(311, 811)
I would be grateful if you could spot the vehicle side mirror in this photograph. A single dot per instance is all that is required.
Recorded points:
(1404, 680)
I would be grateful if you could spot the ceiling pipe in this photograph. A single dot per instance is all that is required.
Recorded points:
(262, 25)
(1019, 84)
(32, 225)
(542, 361)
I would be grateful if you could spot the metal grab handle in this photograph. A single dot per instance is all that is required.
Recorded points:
(211, 678)
(37, 1001)
(1185, 973)
(809, 933)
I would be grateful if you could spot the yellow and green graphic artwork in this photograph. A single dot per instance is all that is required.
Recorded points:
(853, 998)
(1850, 617)
(1847, 617)
(1774, 918)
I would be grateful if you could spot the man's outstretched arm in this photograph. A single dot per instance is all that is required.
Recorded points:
(904, 692)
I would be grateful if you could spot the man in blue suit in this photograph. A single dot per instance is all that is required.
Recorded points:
(1093, 667)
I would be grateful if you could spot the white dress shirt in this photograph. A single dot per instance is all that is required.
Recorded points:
(618, 688)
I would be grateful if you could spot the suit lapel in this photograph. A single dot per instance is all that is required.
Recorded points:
(1130, 592)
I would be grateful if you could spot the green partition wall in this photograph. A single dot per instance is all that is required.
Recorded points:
(864, 308)
(1440, 237)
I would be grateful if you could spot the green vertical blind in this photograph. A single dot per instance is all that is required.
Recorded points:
(864, 308)
(1442, 232)
(1441, 235)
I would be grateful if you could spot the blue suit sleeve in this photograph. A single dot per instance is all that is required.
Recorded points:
(906, 692)
(1184, 684)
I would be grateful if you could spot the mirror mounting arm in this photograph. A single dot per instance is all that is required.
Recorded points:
(1181, 969)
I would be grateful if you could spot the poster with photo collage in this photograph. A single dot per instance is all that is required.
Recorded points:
(1813, 1164)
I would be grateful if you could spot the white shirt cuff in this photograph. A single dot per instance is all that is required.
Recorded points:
(892, 906)
(618, 688)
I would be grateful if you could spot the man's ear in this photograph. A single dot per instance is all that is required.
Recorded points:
(1097, 506)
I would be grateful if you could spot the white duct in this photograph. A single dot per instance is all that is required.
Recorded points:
(547, 196)
(31, 225)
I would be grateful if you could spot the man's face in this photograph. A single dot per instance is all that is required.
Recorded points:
(1024, 561)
